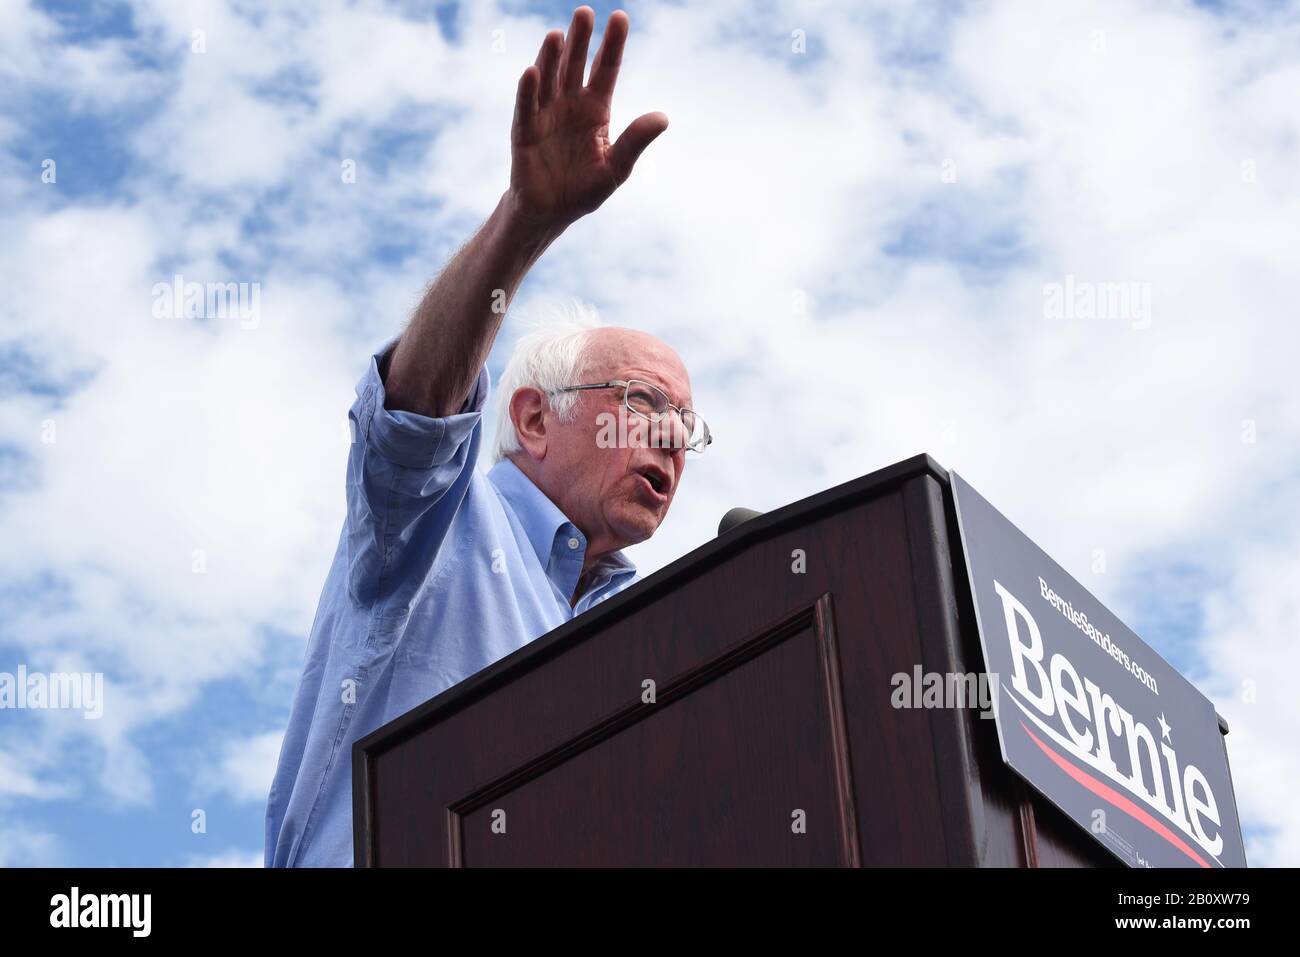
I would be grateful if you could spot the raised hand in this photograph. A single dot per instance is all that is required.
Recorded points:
(563, 165)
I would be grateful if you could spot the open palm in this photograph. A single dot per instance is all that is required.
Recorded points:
(563, 164)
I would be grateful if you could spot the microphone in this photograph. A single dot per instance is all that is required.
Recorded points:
(735, 517)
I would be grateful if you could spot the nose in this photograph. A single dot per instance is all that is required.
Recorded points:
(677, 434)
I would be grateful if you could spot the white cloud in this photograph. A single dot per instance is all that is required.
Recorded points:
(247, 766)
(17, 780)
(1251, 653)
(24, 847)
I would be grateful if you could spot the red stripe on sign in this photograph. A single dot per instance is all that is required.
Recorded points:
(1115, 798)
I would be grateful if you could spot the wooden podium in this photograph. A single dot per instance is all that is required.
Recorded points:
(771, 710)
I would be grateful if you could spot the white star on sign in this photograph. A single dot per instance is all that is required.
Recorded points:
(1165, 728)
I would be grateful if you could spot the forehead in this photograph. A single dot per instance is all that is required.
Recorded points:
(631, 354)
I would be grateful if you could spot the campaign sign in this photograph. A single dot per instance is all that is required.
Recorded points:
(1088, 714)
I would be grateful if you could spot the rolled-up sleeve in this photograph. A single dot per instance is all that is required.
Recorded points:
(409, 439)
(407, 475)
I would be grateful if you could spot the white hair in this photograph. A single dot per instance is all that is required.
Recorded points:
(550, 354)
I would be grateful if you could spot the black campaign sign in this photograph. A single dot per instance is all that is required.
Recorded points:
(1088, 713)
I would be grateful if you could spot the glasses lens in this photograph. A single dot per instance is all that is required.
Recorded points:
(646, 399)
(652, 402)
(697, 433)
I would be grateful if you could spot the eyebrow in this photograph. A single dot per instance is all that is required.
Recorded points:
(658, 383)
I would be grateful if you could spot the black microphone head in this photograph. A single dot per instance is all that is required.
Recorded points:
(735, 517)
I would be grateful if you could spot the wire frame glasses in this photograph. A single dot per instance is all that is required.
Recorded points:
(650, 402)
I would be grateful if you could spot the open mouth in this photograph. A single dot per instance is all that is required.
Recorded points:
(656, 478)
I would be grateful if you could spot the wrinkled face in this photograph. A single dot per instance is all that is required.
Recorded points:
(610, 472)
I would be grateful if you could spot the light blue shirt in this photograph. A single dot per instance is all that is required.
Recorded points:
(441, 569)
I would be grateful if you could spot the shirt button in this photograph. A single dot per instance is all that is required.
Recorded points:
(574, 543)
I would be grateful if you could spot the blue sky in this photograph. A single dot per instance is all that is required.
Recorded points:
(858, 235)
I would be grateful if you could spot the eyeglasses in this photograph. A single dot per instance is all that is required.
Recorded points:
(651, 403)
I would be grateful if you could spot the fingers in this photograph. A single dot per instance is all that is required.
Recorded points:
(574, 61)
(548, 63)
(639, 134)
(604, 71)
(526, 97)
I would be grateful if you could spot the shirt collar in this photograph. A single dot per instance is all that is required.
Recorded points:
(549, 530)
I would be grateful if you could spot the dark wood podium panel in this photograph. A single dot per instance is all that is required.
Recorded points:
(772, 706)
(660, 783)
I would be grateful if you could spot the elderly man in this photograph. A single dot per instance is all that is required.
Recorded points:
(442, 569)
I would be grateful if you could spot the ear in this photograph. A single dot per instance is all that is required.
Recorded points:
(528, 408)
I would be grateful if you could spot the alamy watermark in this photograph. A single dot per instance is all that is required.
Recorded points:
(132, 912)
(57, 690)
(179, 299)
(943, 689)
(621, 431)
(1076, 299)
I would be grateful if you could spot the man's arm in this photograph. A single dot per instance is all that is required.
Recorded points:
(563, 166)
